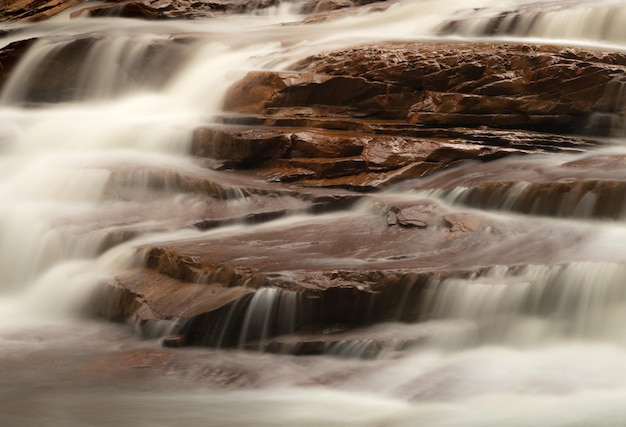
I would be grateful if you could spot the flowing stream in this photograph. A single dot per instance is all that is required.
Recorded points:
(529, 346)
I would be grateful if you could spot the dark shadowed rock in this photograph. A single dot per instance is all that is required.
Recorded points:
(175, 9)
(9, 57)
(188, 9)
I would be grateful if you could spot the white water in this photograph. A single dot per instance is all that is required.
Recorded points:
(513, 361)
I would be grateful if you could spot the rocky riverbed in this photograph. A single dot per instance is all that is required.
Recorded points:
(304, 153)
(303, 188)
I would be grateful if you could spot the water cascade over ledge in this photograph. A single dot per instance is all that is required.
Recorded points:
(312, 213)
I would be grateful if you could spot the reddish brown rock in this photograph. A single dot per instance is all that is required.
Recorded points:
(34, 10)
(364, 160)
(240, 147)
(395, 111)
(520, 86)
(306, 275)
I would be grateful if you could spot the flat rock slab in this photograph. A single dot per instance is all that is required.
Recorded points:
(367, 117)
(308, 273)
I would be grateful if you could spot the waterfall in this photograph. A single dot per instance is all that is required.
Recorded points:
(587, 21)
(98, 120)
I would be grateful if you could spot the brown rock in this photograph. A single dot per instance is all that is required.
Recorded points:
(463, 222)
(393, 152)
(591, 187)
(494, 85)
(416, 216)
(240, 147)
(307, 276)
(34, 10)
(327, 144)
(174, 9)
(410, 109)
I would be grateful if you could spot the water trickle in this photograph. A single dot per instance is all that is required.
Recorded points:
(601, 21)
(270, 312)
(535, 304)
(602, 199)
(95, 68)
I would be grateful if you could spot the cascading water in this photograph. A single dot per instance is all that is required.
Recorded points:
(91, 151)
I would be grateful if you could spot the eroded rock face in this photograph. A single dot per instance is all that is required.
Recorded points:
(37, 10)
(175, 9)
(34, 10)
(353, 121)
(508, 86)
(406, 110)
(363, 119)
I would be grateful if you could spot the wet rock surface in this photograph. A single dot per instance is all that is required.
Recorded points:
(406, 110)
(34, 10)
(38, 10)
(342, 187)
(351, 123)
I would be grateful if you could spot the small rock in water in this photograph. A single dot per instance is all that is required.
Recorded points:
(415, 216)
(462, 222)
(175, 341)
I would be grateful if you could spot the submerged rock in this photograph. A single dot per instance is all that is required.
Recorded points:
(589, 187)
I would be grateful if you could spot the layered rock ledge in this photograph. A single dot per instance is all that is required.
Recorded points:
(359, 120)
(371, 116)
(300, 246)
(38, 10)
